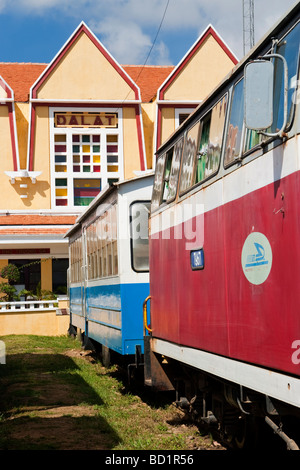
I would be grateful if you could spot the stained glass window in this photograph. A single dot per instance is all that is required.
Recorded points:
(85, 190)
(84, 160)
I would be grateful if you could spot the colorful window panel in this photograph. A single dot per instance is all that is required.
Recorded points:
(61, 192)
(85, 190)
(86, 156)
(60, 152)
(112, 153)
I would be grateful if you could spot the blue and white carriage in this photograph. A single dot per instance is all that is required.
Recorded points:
(109, 272)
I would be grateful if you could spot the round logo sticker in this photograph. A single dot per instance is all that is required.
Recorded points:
(256, 258)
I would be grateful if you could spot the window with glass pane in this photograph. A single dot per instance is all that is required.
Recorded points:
(60, 153)
(114, 239)
(112, 150)
(174, 174)
(235, 126)
(85, 190)
(188, 158)
(86, 153)
(210, 146)
(158, 182)
(289, 49)
(139, 213)
(168, 163)
(102, 245)
(80, 154)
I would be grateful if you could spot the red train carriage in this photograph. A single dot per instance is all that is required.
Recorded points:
(225, 246)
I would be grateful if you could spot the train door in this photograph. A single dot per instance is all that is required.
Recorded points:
(84, 271)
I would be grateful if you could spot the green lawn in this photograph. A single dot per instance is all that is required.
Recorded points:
(54, 395)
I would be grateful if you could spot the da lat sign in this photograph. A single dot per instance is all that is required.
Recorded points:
(85, 120)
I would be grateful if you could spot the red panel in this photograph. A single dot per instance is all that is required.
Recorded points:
(61, 202)
(217, 309)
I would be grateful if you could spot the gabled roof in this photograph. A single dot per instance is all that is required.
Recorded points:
(83, 31)
(209, 31)
(21, 77)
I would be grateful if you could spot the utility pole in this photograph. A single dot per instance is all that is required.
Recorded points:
(248, 25)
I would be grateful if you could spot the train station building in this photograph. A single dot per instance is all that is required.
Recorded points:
(70, 127)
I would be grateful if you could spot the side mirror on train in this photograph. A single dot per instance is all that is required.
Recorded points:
(258, 93)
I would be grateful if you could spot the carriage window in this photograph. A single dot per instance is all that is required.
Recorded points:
(188, 158)
(158, 182)
(167, 172)
(252, 139)
(208, 157)
(174, 172)
(235, 127)
(139, 215)
(289, 49)
(75, 260)
(102, 248)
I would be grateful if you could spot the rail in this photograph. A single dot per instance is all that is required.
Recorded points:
(28, 305)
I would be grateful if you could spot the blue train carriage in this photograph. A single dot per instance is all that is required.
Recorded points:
(109, 267)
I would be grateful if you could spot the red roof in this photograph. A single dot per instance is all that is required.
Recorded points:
(21, 76)
(148, 78)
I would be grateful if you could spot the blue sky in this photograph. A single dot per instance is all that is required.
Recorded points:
(35, 30)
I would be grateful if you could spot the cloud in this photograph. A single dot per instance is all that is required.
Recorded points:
(128, 27)
(124, 40)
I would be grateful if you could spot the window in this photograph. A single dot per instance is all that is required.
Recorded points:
(174, 172)
(102, 248)
(85, 189)
(181, 114)
(86, 154)
(59, 275)
(139, 214)
(210, 145)
(235, 126)
(158, 182)
(166, 175)
(288, 47)
(75, 255)
(188, 158)
(30, 274)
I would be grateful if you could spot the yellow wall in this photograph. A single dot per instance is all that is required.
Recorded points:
(46, 274)
(11, 192)
(34, 323)
(39, 194)
(167, 122)
(148, 114)
(84, 73)
(130, 142)
(22, 120)
(204, 71)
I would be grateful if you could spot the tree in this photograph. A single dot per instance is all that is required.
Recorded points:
(11, 273)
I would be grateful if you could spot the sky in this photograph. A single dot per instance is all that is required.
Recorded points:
(151, 32)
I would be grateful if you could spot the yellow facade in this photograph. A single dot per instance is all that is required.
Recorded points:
(49, 168)
(206, 68)
(199, 72)
(85, 74)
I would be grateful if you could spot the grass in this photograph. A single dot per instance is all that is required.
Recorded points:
(53, 395)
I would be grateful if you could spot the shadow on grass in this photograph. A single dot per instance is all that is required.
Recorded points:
(45, 403)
